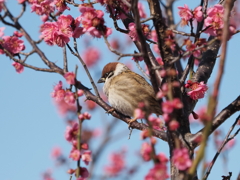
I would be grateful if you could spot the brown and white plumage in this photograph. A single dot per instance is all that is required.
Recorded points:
(126, 89)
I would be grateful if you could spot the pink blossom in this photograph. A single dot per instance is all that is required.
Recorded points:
(61, 5)
(17, 34)
(162, 158)
(91, 19)
(85, 115)
(75, 154)
(1, 4)
(71, 132)
(137, 58)
(87, 157)
(197, 13)
(42, 7)
(173, 125)
(91, 56)
(58, 94)
(83, 173)
(117, 164)
(1, 31)
(19, 67)
(133, 32)
(197, 90)
(169, 106)
(146, 151)
(214, 19)
(59, 32)
(141, 10)
(181, 159)
(80, 93)
(91, 105)
(70, 77)
(12, 44)
(69, 97)
(191, 48)
(158, 172)
(139, 114)
(64, 108)
(159, 60)
(56, 152)
(185, 13)
(21, 1)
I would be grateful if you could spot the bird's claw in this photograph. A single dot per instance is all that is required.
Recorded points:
(110, 110)
(130, 122)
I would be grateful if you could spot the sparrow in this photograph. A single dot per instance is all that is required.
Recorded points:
(125, 89)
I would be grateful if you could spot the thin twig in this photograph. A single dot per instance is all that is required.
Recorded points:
(140, 68)
(118, 53)
(147, 19)
(23, 10)
(84, 66)
(226, 140)
(24, 64)
(65, 63)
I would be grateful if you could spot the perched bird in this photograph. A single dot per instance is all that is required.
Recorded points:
(126, 89)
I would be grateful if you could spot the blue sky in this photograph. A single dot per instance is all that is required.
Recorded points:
(30, 125)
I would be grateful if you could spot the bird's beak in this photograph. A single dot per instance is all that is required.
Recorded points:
(101, 80)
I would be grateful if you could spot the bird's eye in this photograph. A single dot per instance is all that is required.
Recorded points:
(108, 74)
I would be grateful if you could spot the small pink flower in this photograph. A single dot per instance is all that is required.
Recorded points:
(13, 44)
(61, 5)
(141, 10)
(133, 32)
(181, 159)
(19, 68)
(139, 114)
(69, 97)
(158, 172)
(169, 106)
(91, 56)
(214, 19)
(173, 125)
(1, 4)
(42, 7)
(197, 14)
(137, 58)
(17, 34)
(56, 152)
(70, 77)
(117, 164)
(197, 90)
(71, 132)
(146, 151)
(75, 155)
(185, 13)
(87, 157)
(80, 93)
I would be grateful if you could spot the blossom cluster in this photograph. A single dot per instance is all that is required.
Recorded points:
(66, 26)
(181, 159)
(12, 43)
(213, 22)
(159, 171)
(186, 14)
(45, 7)
(84, 153)
(133, 32)
(117, 163)
(60, 32)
